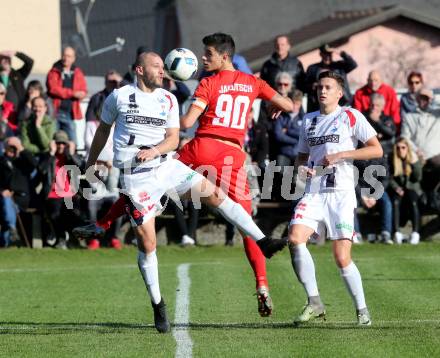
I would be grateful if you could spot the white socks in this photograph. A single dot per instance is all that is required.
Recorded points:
(147, 264)
(352, 278)
(236, 215)
(304, 268)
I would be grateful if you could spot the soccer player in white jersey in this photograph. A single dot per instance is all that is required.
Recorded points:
(146, 133)
(326, 149)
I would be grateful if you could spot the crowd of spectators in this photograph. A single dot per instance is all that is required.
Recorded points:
(38, 138)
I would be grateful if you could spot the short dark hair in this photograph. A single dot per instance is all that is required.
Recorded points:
(414, 74)
(223, 43)
(332, 74)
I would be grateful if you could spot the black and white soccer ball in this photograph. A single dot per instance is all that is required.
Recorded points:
(181, 64)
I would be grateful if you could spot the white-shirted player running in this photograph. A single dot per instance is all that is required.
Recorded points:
(146, 133)
(326, 149)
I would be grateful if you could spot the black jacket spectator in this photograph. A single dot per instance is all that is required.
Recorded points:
(258, 143)
(386, 132)
(15, 176)
(287, 131)
(290, 64)
(342, 67)
(47, 168)
(15, 86)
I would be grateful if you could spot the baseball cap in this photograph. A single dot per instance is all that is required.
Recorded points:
(426, 92)
(61, 137)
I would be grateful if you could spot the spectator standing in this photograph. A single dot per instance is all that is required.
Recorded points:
(15, 167)
(282, 60)
(375, 84)
(422, 128)
(57, 185)
(13, 79)
(382, 124)
(67, 86)
(408, 101)
(342, 67)
(38, 130)
(406, 175)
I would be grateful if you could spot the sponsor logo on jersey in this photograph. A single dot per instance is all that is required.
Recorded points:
(332, 138)
(238, 87)
(162, 102)
(157, 122)
(132, 101)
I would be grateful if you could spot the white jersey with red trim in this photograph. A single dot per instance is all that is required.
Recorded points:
(328, 134)
(141, 121)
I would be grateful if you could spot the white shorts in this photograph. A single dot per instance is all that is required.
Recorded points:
(144, 189)
(332, 211)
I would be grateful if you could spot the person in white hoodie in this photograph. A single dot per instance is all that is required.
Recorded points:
(422, 128)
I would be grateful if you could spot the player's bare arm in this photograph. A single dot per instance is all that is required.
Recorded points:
(279, 104)
(372, 149)
(99, 140)
(188, 119)
(170, 143)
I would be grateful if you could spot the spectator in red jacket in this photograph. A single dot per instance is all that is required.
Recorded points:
(8, 118)
(66, 85)
(375, 85)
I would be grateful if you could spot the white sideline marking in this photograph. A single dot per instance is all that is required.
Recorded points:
(181, 316)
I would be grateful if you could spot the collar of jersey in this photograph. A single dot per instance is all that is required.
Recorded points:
(332, 114)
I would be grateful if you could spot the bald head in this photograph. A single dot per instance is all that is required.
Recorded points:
(146, 57)
(374, 80)
(149, 70)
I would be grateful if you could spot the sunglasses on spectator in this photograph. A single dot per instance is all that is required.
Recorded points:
(283, 84)
(60, 143)
(414, 82)
(401, 147)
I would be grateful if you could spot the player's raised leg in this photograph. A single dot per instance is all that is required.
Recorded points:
(304, 268)
(352, 279)
(98, 229)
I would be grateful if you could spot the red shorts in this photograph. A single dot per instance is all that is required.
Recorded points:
(220, 163)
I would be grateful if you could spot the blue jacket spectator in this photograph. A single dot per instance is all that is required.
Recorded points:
(287, 129)
(408, 101)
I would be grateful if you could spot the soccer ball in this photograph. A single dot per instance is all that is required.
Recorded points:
(181, 64)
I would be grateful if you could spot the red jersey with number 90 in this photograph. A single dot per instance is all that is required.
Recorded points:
(227, 98)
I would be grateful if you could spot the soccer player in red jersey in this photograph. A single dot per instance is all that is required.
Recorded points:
(221, 104)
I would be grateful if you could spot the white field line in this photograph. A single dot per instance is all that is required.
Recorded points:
(181, 316)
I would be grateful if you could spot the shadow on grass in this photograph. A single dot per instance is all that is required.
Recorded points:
(48, 328)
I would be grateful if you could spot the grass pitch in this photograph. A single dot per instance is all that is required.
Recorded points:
(93, 304)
